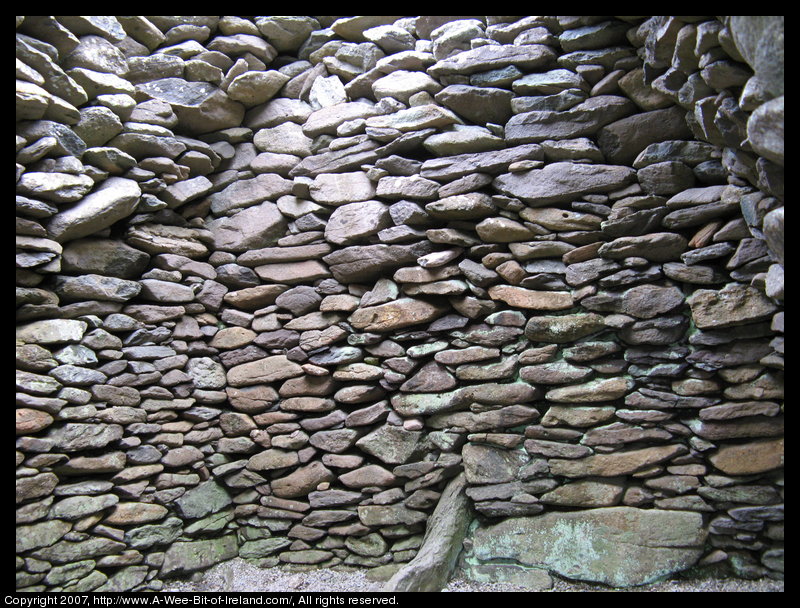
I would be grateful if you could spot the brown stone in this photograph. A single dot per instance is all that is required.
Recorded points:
(302, 481)
(749, 458)
(734, 304)
(263, 371)
(395, 315)
(530, 299)
(616, 463)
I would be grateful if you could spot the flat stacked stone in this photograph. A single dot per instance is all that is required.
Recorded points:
(280, 279)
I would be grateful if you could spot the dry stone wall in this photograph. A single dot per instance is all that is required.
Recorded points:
(279, 279)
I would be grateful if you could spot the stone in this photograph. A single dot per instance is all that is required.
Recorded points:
(390, 444)
(525, 298)
(266, 370)
(561, 182)
(42, 534)
(394, 315)
(656, 247)
(362, 263)
(302, 481)
(619, 546)
(749, 458)
(96, 287)
(200, 106)
(186, 557)
(115, 199)
(616, 463)
(77, 436)
(584, 119)
(51, 331)
(734, 304)
(563, 328)
(622, 141)
(340, 188)
(445, 531)
(105, 257)
(131, 513)
(251, 228)
(353, 222)
(414, 119)
(485, 464)
(486, 58)
(479, 105)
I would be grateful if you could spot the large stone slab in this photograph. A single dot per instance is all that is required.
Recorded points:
(562, 182)
(619, 546)
(185, 557)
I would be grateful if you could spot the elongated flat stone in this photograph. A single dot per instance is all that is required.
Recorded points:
(561, 182)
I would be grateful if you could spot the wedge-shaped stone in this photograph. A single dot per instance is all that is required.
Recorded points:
(200, 106)
(394, 315)
(619, 546)
(115, 199)
(390, 444)
(563, 182)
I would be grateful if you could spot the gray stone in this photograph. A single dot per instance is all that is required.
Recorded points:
(186, 557)
(251, 228)
(446, 529)
(765, 130)
(390, 444)
(622, 141)
(561, 182)
(734, 304)
(204, 499)
(620, 546)
(582, 120)
(76, 436)
(104, 256)
(353, 222)
(200, 106)
(115, 199)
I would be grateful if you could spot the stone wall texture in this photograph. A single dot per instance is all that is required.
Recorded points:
(279, 279)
